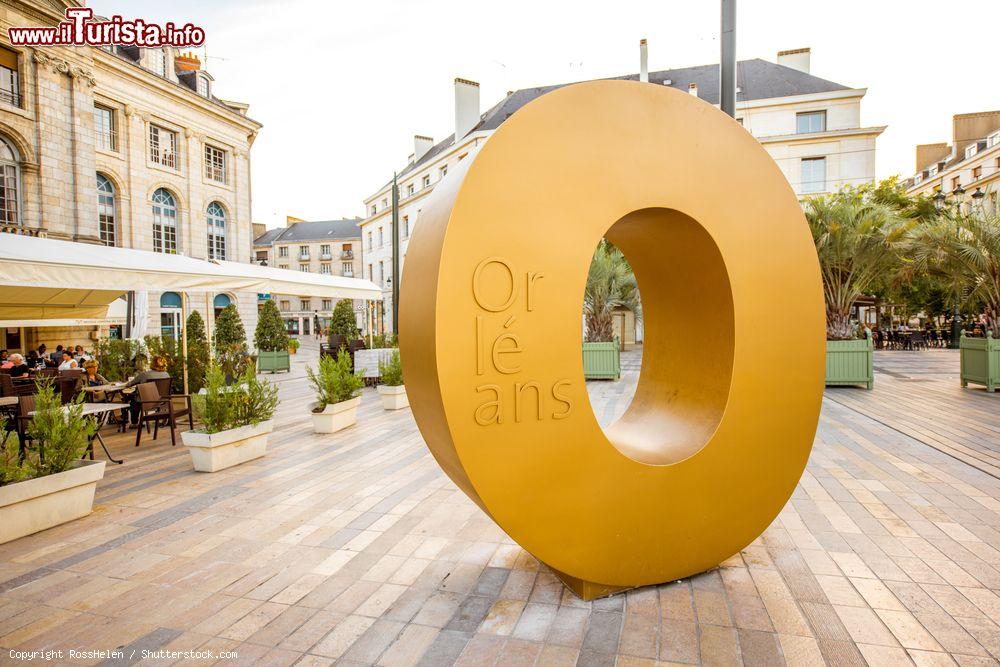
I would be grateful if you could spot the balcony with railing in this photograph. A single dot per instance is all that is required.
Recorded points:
(16, 228)
(347, 254)
(326, 256)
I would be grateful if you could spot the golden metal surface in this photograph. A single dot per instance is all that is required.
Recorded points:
(727, 404)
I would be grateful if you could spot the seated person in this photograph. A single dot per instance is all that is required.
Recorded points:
(157, 371)
(18, 368)
(81, 354)
(91, 378)
(3, 356)
(68, 362)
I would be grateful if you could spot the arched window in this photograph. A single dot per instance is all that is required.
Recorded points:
(164, 222)
(106, 211)
(170, 315)
(220, 302)
(216, 218)
(10, 184)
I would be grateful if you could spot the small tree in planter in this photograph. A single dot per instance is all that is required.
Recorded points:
(271, 339)
(197, 352)
(342, 322)
(293, 345)
(51, 485)
(391, 387)
(965, 250)
(229, 329)
(856, 241)
(337, 393)
(236, 420)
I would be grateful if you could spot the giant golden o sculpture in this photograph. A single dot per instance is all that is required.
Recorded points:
(728, 397)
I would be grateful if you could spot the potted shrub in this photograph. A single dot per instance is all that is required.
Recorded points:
(965, 250)
(856, 238)
(337, 393)
(271, 339)
(293, 345)
(236, 420)
(611, 286)
(391, 387)
(50, 485)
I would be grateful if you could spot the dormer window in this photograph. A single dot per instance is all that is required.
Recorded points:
(970, 150)
(158, 61)
(203, 86)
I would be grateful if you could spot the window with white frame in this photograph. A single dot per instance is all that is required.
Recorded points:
(283, 251)
(426, 181)
(369, 240)
(444, 171)
(381, 240)
(304, 304)
(409, 189)
(324, 250)
(215, 164)
(163, 146)
(106, 212)
(810, 121)
(304, 268)
(164, 222)
(10, 184)
(406, 226)
(347, 269)
(325, 269)
(813, 174)
(216, 218)
(158, 61)
(303, 252)
(105, 128)
(203, 86)
(286, 305)
(10, 86)
(327, 304)
(381, 272)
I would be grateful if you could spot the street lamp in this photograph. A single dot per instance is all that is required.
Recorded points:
(978, 195)
(958, 191)
(939, 198)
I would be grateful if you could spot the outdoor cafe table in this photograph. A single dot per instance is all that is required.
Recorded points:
(100, 411)
(8, 400)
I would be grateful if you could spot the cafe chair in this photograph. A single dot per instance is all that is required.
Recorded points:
(180, 403)
(154, 408)
(25, 406)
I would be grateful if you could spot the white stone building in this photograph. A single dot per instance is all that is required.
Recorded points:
(327, 247)
(810, 126)
(123, 146)
(965, 172)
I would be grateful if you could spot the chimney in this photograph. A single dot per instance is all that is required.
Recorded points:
(466, 107)
(187, 62)
(421, 145)
(643, 62)
(795, 58)
(291, 220)
(693, 89)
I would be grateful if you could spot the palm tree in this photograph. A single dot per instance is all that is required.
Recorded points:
(856, 238)
(610, 285)
(965, 250)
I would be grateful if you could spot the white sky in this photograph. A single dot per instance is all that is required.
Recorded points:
(341, 87)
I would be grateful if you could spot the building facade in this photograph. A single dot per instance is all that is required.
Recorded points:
(327, 247)
(810, 126)
(122, 146)
(965, 172)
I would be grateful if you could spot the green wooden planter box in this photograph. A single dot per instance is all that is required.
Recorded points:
(980, 361)
(602, 361)
(849, 362)
(272, 362)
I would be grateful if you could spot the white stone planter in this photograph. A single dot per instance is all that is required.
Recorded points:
(216, 451)
(335, 416)
(393, 398)
(36, 504)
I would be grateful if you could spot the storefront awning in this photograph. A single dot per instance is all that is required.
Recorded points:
(46, 279)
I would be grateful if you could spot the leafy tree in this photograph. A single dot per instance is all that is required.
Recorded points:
(229, 330)
(342, 322)
(271, 334)
(197, 352)
(61, 431)
(117, 358)
(964, 249)
(610, 285)
(391, 372)
(856, 241)
(169, 349)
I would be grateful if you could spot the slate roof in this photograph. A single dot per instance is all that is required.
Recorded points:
(319, 230)
(757, 79)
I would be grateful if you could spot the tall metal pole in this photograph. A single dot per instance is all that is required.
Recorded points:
(727, 59)
(395, 256)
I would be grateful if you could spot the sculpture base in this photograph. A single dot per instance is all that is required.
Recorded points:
(588, 590)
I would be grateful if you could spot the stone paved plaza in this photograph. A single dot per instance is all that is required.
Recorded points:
(356, 549)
